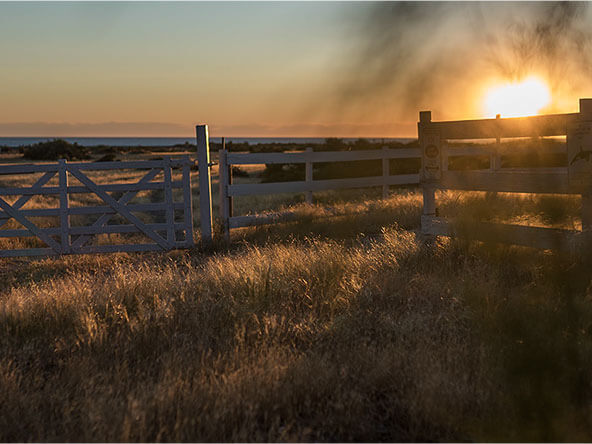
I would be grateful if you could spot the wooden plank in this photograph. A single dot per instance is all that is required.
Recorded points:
(105, 218)
(124, 248)
(128, 165)
(469, 150)
(144, 208)
(547, 125)
(64, 217)
(29, 191)
(168, 198)
(123, 187)
(187, 206)
(114, 229)
(89, 230)
(119, 207)
(205, 182)
(495, 160)
(38, 212)
(536, 237)
(513, 181)
(320, 156)
(308, 169)
(28, 168)
(26, 233)
(21, 201)
(586, 212)
(386, 172)
(30, 226)
(94, 166)
(126, 187)
(319, 185)
(265, 158)
(224, 182)
(486, 150)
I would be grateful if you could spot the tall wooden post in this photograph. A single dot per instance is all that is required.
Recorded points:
(187, 203)
(585, 141)
(495, 162)
(224, 177)
(431, 168)
(205, 187)
(308, 174)
(64, 212)
(168, 199)
(386, 172)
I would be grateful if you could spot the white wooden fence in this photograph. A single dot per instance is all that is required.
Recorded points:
(66, 238)
(62, 237)
(575, 178)
(229, 190)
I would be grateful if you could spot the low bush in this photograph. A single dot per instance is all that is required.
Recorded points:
(56, 149)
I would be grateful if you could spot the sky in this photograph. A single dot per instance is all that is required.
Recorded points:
(308, 69)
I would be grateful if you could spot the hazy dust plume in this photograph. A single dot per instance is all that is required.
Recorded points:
(408, 56)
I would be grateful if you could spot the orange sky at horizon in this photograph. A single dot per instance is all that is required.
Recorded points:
(250, 69)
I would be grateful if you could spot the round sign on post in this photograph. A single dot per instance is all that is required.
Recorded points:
(431, 156)
(431, 151)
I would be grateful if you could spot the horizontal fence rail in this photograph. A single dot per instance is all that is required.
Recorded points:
(535, 126)
(320, 185)
(115, 212)
(320, 156)
(574, 178)
(512, 181)
(228, 190)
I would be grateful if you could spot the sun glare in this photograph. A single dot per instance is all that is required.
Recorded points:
(526, 98)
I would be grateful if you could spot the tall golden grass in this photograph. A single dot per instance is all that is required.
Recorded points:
(345, 325)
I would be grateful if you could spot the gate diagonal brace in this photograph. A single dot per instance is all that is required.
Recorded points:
(24, 199)
(15, 214)
(121, 209)
(105, 218)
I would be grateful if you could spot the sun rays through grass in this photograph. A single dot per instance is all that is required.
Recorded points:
(351, 328)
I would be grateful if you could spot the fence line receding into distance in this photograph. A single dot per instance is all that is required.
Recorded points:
(229, 190)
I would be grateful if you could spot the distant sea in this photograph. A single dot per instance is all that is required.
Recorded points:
(171, 141)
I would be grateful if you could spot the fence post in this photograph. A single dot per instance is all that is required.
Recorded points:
(445, 153)
(386, 172)
(224, 181)
(495, 161)
(308, 174)
(187, 203)
(205, 187)
(64, 217)
(586, 116)
(431, 164)
(168, 199)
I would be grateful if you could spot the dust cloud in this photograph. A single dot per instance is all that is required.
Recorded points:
(440, 56)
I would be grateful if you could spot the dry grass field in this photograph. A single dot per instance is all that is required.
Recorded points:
(344, 325)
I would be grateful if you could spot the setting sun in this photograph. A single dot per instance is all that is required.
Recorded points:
(518, 99)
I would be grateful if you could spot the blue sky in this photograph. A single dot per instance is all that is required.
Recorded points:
(231, 64)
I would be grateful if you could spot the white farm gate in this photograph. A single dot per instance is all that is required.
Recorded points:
(67, 193)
